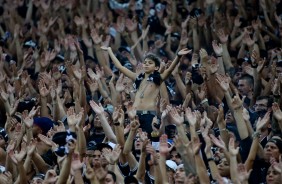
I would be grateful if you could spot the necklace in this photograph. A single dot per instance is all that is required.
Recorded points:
(142, 93)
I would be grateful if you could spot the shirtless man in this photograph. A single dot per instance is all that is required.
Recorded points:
(147, 85)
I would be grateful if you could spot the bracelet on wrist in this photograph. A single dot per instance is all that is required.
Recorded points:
(219, 56)
(204, 101)
(210, 159)
(256, 135)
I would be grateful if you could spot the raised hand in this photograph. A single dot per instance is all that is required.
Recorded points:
(44, 92)
(237, 103)
(134, 124)
(217, 48)
(76, 164)
(196, 145)
(6, 177)
(191, 117)
(131, 25)
(46, 141)
(243, 174)
(131, 111)
(18, 157)
(31, 147)
(112, 156)
(262, 121)
(164, 149)
(97, 39)
(28, 120)
(120, 86)
(222, 36)
(51, 176)
(277, 113)
(97, 108)
(223, 82)
(176, 117)
(218, 142)
(184, 52)
(232, 150)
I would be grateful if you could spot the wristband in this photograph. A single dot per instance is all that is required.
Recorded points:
(210, 159)
(204, 101)
(254, 65)
(219, 56)
(256, 135)
(116, 124)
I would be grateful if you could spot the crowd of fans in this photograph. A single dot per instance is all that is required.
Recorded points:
(140, 91)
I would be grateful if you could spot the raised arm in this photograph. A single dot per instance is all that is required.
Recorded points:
(116, 62)
(168, 71)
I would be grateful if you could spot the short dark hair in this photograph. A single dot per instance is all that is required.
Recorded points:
(154, 58)
(113, 175)
(268, 98)
(249, 79)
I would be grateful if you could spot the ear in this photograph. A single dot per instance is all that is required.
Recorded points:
(157, 68)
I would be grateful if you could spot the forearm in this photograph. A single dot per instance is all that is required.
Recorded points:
(182, 134)
(162, 165)
(78, 177)
(241, 126)
(39, 163)
(22, 179)
(226, 58)
(168, 71)
(196, 44)
(82, 95)
(119, 130)
(44, 112)
(212, 166)
(129, 142)
(158, 174)
(180, 85)
(29, 134)
(252, 154)
(107, 129)
(81, 140)
(163, 92)
(233, 168)
(189, 163)
(236, 42)
(140, 175)
(201, 169)
(64, 174)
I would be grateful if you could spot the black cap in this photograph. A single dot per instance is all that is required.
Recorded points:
(60, 137)
(130, 180)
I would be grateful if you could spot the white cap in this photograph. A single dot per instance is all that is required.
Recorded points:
(171, 164)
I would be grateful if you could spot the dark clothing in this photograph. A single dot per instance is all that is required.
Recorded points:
(154, 77)
(258, 175)
(125, 170)
(145, 121)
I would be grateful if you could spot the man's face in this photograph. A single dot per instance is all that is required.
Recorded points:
(36, 180)
(174, 156)
(271, 150)
(244, 88)
(94, 155)
(261, 105)
(179, 176)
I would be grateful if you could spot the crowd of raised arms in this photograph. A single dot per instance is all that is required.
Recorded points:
(140, 91)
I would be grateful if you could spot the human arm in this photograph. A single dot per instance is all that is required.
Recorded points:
(116, 62)
(99, 110)
(66, 165)
(174, 63)
(199, 162)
